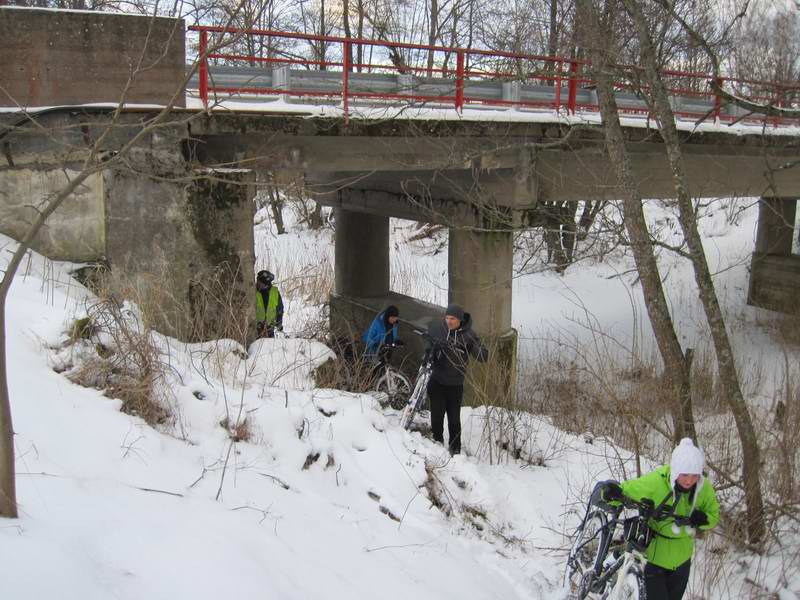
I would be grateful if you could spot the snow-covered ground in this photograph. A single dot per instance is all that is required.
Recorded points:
(327, 498)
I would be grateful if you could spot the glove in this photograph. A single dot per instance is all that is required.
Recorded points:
(260, 327)
(399, 343)
(612, 492)
(698, 518)
(279, 328)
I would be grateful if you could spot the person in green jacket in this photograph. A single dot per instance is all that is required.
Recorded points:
(269, 306)
(682, 486)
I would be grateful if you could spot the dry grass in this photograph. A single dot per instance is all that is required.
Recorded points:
(349, 371)
(126, 363)
(239, 430)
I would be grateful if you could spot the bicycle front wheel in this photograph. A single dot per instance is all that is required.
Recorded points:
(586, 556)
(630, 586)
(396, 386)
(415, 401)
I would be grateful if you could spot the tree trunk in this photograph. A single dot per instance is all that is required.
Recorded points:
(360, 33)
(315, 217)
(276, 207)
(8, 490)
(726, 364)
(675, 371)
(434, 17)
(347, 33)
(322, 47)
(552, 38)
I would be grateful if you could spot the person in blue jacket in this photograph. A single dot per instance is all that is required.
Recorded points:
(383, 330)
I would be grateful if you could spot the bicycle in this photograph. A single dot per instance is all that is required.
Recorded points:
(417, 397)
(391, 382)
(597, 557)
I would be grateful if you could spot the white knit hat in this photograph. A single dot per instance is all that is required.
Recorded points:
(687, 459)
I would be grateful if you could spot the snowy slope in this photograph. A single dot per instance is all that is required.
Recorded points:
(328, 498)
(111, 508)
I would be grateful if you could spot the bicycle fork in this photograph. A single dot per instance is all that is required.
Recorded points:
(632, 565)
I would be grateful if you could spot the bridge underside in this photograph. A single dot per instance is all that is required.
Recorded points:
(482, 180)
(509, 165)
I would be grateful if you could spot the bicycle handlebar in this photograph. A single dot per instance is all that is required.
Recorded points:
(429, 338)
(648, 510)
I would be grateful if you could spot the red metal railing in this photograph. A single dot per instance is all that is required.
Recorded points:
(470, 65)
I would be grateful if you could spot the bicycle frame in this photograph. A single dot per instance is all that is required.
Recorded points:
(417, 396)
(630, 561)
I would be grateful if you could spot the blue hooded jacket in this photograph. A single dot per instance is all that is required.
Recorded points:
(380, 329)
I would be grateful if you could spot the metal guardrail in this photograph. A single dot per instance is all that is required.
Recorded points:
(452, 77)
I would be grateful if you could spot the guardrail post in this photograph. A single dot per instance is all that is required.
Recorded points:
(460, 80)
(204, 68)
(512, 92)
(717, 101)
(778, 104)
(346, 81)
(558, 85)
(281, 80)
(572, 101)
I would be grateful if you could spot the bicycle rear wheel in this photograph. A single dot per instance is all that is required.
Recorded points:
(396, 386)
(587, 553)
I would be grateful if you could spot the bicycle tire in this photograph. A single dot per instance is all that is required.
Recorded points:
(396, 386)
(629, 587)
(414, 401)
(587, 553)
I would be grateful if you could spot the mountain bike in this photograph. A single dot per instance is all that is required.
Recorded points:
(608, 557)
(417, 398)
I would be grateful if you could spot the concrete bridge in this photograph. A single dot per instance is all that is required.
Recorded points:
(179, 211)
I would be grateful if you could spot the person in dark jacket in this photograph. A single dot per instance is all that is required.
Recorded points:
(383, 330)
(455, 342)
(269, 306)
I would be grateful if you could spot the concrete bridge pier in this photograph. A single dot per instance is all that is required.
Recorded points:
(362, 254)
(479, 268)
(480, 272)
(774, 270)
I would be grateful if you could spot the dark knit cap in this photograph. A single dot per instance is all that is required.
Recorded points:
(455, 310)
(391, 311)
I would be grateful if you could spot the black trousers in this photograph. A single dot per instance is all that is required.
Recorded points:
(663, 584)
(446, 399)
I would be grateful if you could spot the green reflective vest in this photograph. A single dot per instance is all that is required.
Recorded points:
(670, 548)
(270, 312)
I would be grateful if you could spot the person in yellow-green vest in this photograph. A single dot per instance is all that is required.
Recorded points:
(269, 305)
(682, 486)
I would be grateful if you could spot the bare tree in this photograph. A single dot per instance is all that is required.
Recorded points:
(597, 33)
(726, 363)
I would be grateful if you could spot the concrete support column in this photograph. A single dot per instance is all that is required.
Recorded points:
(775, 226)
(774, 272)
(362, 254)
(480, 268)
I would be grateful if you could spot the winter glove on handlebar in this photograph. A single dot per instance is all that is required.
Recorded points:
(613, 492)
(399, 343)
(698, 518)
(647, 503)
